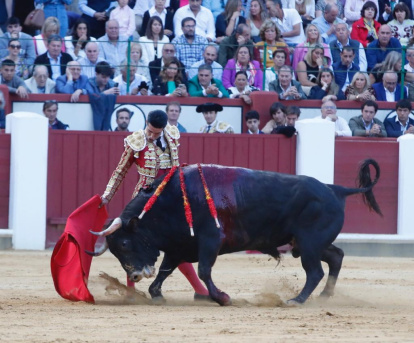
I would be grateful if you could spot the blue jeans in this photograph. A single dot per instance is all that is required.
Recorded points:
(58, 11)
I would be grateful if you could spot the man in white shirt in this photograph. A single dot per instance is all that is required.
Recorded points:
(205, 24)
(138, 84)
(328, 112)
(288, 21)
(89, 62)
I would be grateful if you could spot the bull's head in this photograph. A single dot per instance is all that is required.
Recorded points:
(132, 247)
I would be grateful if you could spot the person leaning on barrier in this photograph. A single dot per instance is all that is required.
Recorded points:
(401, 124)
(40, 83)
(14, 83)
(243, 61)
(242, 89)
(366, 125)
(277, 117)
(102, 82)
(73, 82)
(229, 45)
(286, 87)
(205, 85)
(292, 115)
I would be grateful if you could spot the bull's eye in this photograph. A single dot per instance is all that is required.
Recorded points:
(125, 244)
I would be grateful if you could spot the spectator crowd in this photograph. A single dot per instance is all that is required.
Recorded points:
(329, 50)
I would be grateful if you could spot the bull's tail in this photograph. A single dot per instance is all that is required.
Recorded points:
(366, 185)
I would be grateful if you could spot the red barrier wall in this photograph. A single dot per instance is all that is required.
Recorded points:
(4, 179)
(349, 152)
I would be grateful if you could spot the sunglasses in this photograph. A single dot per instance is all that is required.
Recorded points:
(51, 102)
(15, 46)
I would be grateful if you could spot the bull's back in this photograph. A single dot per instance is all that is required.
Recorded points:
(255, 207)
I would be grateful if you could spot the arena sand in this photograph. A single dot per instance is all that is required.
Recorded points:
(373, 303)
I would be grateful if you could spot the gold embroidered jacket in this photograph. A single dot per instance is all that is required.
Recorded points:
(151, 161)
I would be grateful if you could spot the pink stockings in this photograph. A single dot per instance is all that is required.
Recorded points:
(188, 271)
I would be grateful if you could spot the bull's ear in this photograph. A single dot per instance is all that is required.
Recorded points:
(133, 223)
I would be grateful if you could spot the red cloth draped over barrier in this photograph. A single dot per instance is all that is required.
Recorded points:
(70, 264)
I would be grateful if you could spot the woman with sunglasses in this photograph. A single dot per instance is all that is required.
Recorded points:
(22, 67)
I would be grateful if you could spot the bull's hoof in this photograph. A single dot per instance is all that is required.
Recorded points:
(325, 295)
(293, 303)
(202, 297)
(159, 300)
(224, 299)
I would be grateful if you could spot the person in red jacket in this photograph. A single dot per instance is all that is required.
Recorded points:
(365, 30)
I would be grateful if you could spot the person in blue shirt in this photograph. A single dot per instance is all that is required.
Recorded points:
(73, 82)
(381, 47)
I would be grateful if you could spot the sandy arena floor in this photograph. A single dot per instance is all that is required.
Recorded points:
(374, 302)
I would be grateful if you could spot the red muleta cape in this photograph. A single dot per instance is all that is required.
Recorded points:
(70, 264)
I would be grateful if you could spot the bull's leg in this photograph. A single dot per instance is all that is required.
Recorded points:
(166, 268)
(207, 257)
(312, 265)
(333, 256)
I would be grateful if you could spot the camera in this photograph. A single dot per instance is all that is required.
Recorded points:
(116, 84)
(143, 85)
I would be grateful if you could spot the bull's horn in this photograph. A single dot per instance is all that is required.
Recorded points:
(116, 224)
(100, 251)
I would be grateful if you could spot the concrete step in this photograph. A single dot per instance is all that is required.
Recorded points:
(5, 239)
(376, 245)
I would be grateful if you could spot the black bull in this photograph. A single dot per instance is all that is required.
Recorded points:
(257, 210)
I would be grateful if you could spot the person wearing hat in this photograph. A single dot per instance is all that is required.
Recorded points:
(154, 150)
(213, 125)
